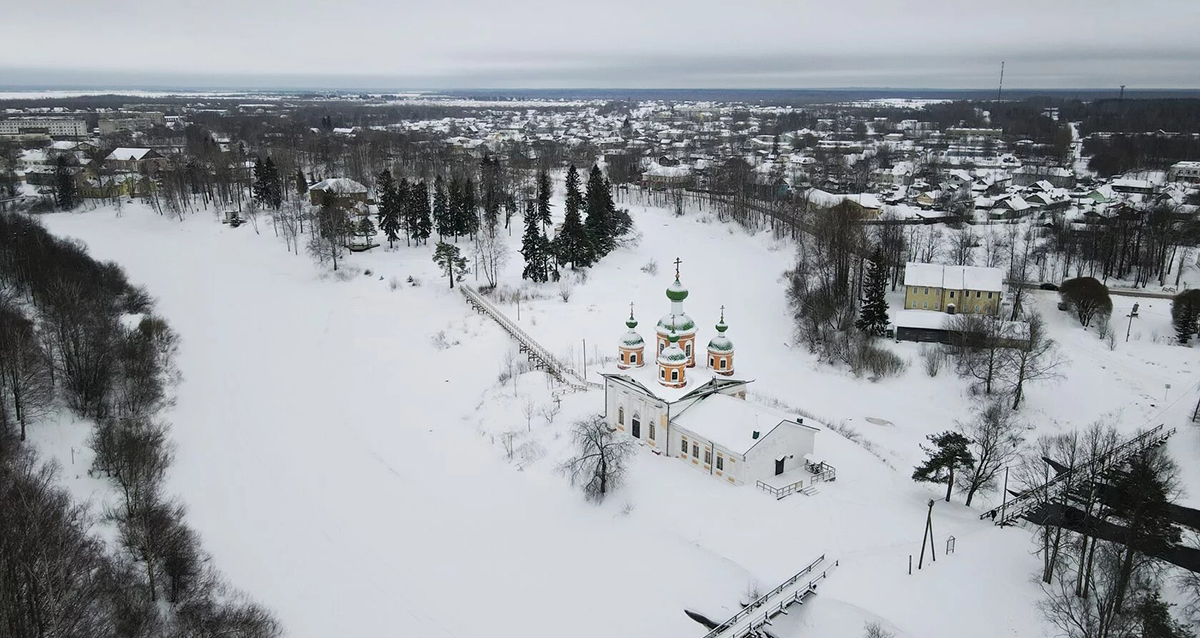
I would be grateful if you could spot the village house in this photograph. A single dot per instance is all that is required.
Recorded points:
(953, 289)
(134, 160)
(339, 192)
(699, 415)
(1184, 172)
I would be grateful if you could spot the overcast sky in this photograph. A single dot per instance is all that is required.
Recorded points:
(609, 43)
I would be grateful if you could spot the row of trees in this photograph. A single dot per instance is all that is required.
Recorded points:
(1094, 587)
(74, 332)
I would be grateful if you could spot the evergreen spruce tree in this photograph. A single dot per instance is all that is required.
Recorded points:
(450, 261)
(64, 185)
(873, 313)
(274, 184)
(442, 220)
(300, 183)
(492, 197)
(1185, 314)
(470, 208)
(951, 452)
(258, 187)
(422, 226)
(365, 228)
(533, 246)
(600, 209)
(572, 244)
(544, 191)
(389, 207)
(458, 215)
(404, 204)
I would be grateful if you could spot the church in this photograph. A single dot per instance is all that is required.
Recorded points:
(698, 414)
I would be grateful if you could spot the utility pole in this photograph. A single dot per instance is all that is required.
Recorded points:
(1004, 501)
(927, 535)
(1000, 89)
(1121, 98)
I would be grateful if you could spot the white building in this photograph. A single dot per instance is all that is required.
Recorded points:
(699, 415)
(1184, 172)
(52, 126)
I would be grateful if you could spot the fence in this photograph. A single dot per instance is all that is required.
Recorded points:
(1030, 499)
(757, 613)
(558, 369)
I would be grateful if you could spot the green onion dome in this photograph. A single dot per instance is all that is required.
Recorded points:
(683, 324)
(676, 291)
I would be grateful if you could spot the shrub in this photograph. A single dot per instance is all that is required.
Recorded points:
(933, 356)
(565, 289)
(1087, 297)
(650, 267)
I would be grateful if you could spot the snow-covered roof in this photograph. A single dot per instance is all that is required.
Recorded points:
(646, 377)
(632, 339)
(923, 275)
(128, 154)
(681, 323)
(954, 277)
(926, 319)
(340, 185)
(658, 170)
(731, 422)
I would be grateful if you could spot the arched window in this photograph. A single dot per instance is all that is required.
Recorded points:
(662, 345)
(711, 361)
(674, 375)
(632, 357)
(687, 349)
(636, 426)
(621, 415)
(662, 373)
(723, 362)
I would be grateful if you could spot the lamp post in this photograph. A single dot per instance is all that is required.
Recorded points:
(1131, 315)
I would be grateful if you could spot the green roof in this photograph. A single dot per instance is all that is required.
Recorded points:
(676, 291)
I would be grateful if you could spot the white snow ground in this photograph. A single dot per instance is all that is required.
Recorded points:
(351, 475)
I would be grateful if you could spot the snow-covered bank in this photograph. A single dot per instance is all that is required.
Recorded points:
(347, 470)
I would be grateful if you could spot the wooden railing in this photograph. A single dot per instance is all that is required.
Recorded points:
(1090, 469)
(557, 368)
(781, 492)
(764, 608)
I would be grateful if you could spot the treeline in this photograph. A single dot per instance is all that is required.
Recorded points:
(1149, 242)
(1177, 115)
(75, 333)
(1128, 152)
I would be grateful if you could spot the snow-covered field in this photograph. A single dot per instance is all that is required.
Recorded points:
(350, 472)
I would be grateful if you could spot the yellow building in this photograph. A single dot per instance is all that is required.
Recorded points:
(953, 289)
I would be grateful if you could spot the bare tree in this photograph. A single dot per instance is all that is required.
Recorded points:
(1097, 615)
(962, 245)
(1039, 360)
(550, 411)
(977, 343)
(491, 252)
(996, 437)
(993, 248)
(876, 630)
(528, 409)
(601, 458)
(26, 380)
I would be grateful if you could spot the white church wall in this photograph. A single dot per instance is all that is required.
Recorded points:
(786, 440)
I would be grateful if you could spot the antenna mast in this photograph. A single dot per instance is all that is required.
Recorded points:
(1001, 87)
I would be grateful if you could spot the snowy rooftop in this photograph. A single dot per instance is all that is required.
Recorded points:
(127, 154)
(339, 185)
(953, 277)
(731, 422)
(647, 377)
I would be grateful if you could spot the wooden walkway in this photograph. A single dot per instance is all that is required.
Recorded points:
(1051, 491)
(538, 355)
(792, 591)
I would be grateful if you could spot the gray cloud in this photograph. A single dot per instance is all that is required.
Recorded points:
(618, 43)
